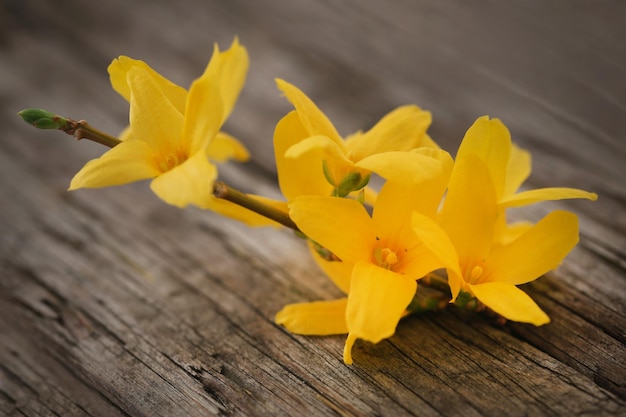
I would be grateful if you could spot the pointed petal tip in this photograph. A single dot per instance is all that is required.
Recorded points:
(347, 349)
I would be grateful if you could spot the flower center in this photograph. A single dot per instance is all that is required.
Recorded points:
(476, 275)
(170, 160)
(385, 258)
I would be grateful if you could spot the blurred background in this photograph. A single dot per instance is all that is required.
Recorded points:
(553, 71)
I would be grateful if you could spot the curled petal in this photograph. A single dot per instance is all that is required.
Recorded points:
(127, 162)
(118, 71)
(301, 176)
(319, 318)
(510, 302)
(545, 194)
(403, 167)
(437, 241)
(224, 147)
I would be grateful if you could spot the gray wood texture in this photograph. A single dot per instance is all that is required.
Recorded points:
(115, 304)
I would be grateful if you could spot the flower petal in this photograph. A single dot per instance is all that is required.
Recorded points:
(229, 70)
(127, 162)
(319, 318)
(314, 121)
(302, 176)
(377, 301)
(339, 224)
(118, 71)
(510, 302)
(203, 114)
(517, 170)
(437, 241)
(537, 251)
(470, 211)
(153, 118)
(544, 194)
(188, 183)
(224, 147)
(402, 129)
(491, 141)
(403, 167)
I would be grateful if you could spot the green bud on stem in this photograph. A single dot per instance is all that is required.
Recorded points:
(43, 119)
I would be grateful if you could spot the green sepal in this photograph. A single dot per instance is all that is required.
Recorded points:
(327, 173)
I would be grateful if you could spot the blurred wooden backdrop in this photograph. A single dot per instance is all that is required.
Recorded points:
(114, 304)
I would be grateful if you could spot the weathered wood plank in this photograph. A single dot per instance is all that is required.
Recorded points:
(112, 303)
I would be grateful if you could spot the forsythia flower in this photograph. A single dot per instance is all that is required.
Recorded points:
(384, 255)
(173, 133)
(466, 238)
(313, 159)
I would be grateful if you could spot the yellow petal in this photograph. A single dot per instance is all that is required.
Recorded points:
(491, 141)
(517, 170)
(339, 224)
(224, 147)
(203, 114)
(403, 167)
(437, 241)
(507, 233)
(302, 176)
(118, 71)
(127, 162)
(320, 149)
(377, 301)
(318, 145)
(189, 183)
(347, 349)
(340, 273)
(402, 129)
(510, 302)
(469, 212)
(537, 251)
(229, 70)
(319, 318)
(153, 118)
(544, 194)
(314, 121)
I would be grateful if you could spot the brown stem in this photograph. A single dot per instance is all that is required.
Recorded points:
(221, 190)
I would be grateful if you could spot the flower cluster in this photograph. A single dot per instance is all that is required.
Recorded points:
(435, 221)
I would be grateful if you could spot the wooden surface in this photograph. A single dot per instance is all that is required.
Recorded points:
(114, 304)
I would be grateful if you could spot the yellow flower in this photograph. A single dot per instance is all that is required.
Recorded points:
(509, 166)
(173, 133)
(383, 254)
(468, 238)
(313, 159)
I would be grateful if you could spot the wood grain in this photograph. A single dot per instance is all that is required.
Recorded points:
(114, 304)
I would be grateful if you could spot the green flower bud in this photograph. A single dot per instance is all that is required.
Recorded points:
(43, 119)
